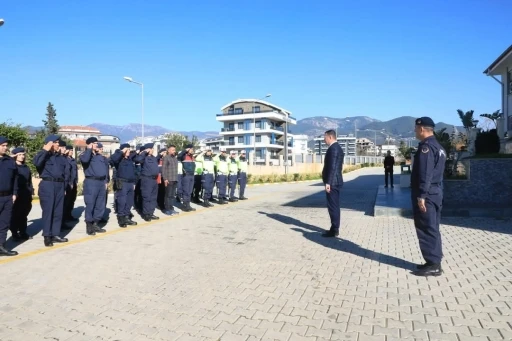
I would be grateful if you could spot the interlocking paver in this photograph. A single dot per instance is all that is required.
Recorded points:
(258, 270)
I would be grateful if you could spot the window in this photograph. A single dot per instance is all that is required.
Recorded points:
(231, 141)
(241, 139)
(231, 111)
(256, 109)
(239, 111)
(258, 138)
(241, 125)
(258, 124)
(259, 153)
(231, 126)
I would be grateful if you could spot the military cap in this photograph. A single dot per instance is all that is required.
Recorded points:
(69, 147)
(162, 150)
(425, 122)
(51, 138)
(62, 143)
(188, 146)
(141, 148)
(3, 140)
(99, 145)
(149, 146)
(17, 150)
(91, 140)
(124, 145)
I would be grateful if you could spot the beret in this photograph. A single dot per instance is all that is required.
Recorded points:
(149, 146)
(425, 122)
(124, 145)
(69, 147)
(91, 140)
(141, 148)
(99, 145)
(3, 140)
(62, 143)
(188, 146)
(18, 150)
(51, 138)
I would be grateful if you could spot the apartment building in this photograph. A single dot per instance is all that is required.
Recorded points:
(254, 124)
(78, 132)
(347, 143)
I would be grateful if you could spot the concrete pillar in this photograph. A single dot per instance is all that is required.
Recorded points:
(304, 157)
(281, 160)
(267, 159)
(293, 159)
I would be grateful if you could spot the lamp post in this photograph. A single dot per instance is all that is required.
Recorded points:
(2, 21)
(129, 79)
(254, 128)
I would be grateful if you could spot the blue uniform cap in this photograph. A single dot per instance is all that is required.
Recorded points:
(51, 138)
(99, 145)
(18, 150)
(62, 143)
(425, 122)
(124, 145)
(91, 140)
(149, 146)
(141, 148)
(69, 147)
(3, 140)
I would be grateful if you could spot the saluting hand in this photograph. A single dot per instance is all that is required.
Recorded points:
(421, 205)
(48, 146)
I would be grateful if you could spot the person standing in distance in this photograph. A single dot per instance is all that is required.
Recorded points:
(389, 162)
(23, 204)
(333, 181)
(8, 193)
(427, 196)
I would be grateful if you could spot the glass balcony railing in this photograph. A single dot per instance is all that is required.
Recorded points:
(227, 129)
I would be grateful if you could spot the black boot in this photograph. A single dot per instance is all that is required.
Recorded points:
(178, 199)
(90, 229)
(129, 221)
(97, 228)
(207, 203)
(48, 241)
(222, 201)
(5, 252)
(58, 239)
(146, 217)
(121, 220)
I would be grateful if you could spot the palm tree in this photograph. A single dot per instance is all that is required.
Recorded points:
(493, 117)
(468, 121)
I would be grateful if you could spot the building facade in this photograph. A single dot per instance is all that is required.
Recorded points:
(256, 126)
(347, 143)
(300, 144)
(78, 132)
(110, 143)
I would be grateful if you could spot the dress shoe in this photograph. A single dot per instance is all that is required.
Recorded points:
(233, 199)
(222, 202)
(129, 221)
(89, 228)
(423, 266)
(58, 239)
(429, 270)
(5, 252)
(48, 241)
(98, 229)
(121, 221)
(146, 217)
(243, 198)
(153, 217)
(330, 234)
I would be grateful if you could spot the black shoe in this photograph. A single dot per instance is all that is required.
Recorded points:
(146, 217)
(48, 241)
(190, 208)
(153, 217)
(98, 229)
(5, 252)
(178, 199)
(207, 203)
(121, 221)
(25, 236)
(233, 199)
(16, 237)
(429, 270)
(103, 221)
(129, 221)
(58, 239)
(243, 198)
(423, 266)
(222, 202)
(330, 234)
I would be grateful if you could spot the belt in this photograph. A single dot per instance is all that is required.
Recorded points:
(150, 176)
(5, 194)
(100, 178)
(53, 179)
(126, 180)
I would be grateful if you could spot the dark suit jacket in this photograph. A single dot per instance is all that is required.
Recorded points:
(333, 165)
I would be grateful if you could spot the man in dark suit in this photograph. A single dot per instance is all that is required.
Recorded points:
(333, 180)
(389, 162)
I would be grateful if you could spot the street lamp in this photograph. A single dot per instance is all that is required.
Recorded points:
(254, 126)
(2, 21)
(129, 79)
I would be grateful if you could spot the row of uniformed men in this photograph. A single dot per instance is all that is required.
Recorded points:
(179, 174)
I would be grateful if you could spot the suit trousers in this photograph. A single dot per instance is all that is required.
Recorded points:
(333, 207)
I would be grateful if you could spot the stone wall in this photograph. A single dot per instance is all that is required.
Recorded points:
(489, 185)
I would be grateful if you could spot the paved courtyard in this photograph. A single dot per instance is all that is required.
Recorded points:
(259, 270)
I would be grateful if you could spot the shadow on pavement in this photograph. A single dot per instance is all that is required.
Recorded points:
(358, 195)
(314, 234)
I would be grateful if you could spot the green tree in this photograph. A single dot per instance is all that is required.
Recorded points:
(493, 117)
(51, 126)
(34, 145)
(15, 133)
(468, 121)
(176, 139)
(444, 140)
(404, 150)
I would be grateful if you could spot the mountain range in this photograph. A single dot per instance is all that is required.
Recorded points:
(364, 126)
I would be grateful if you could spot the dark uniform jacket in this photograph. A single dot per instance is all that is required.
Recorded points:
(428, 169)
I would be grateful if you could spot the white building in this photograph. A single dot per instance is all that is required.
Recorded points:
(347, 143)
(213, 143)
(503, 67)
(299, 144)
(255, 125)
(78, 132)
(388, 147)
(110, 143)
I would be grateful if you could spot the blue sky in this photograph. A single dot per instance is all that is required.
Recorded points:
(382, 59)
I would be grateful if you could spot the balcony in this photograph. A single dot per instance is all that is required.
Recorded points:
(275, 115)
(227, 129)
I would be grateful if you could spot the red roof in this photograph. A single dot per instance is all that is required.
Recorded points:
(79, 143)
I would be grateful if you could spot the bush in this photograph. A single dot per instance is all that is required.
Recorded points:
(487, 142)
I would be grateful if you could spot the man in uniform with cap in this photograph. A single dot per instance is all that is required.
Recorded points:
(186, 157)
(161, 185)
(242, 175)
(8, 193)
(53, 170)
(427, 196)
(207, 177)
(221, 175)
(137, 203)
(233, 175)
(23, 204)
(95, 172)
(107, 180)
(148, 185)
(125, 183)
(71, 190)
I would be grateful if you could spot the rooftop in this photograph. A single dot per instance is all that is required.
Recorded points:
(79, 129)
